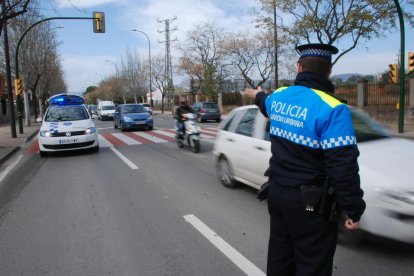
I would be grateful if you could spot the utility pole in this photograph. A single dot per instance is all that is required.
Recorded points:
(168, 65)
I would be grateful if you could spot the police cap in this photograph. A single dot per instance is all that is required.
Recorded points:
(317, 50)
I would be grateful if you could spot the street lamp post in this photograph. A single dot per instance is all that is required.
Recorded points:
(149, 60)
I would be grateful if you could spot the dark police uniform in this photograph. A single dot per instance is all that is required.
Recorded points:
(312, 137)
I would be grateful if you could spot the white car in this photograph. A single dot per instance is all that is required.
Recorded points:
(242, 152)
(67, 125)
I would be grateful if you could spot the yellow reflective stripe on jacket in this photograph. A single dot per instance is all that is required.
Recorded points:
(280, 89)
(331, 101)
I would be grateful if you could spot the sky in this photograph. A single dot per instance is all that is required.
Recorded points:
(89, 57)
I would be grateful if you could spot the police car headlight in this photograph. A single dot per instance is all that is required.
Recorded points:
(90, 130)
(127, 119)
(45, 133)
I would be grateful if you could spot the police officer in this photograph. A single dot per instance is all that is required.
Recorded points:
(312, 139)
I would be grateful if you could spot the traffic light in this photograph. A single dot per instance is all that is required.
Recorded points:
(98, 22)
(410, 62)
(394, 79)
(18, 86)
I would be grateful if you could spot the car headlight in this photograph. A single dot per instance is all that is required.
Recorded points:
(90, 130)
(45, 133)
(127, 119)
(404, 196)
(149, 118)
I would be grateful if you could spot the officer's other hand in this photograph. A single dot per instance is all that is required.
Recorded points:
(350, 224)
(251, 92)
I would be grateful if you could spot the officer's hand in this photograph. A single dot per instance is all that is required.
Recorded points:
(350, 224)
(251, 92)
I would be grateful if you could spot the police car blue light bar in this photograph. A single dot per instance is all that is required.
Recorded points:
(66, 99)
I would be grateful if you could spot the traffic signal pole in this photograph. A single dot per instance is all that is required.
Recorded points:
(402, 69)
(16, 62)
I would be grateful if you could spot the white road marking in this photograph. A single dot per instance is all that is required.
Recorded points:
(123, 158)
(209, 131)
(104, 127)
(103, 143)
(236, 257)
(165, 133)
(10, 167)
(150, 137)
(127, 140)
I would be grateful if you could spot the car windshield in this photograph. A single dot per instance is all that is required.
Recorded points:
(366, 129)
(68, 113)
(133, 109)
(108, 107)
(94, 108)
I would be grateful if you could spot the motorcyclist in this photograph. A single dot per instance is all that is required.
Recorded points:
(184, 108)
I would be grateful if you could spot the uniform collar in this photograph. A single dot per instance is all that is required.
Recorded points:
(314, 81)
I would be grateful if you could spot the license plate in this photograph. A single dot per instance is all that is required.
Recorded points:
(68, 141)
(140, 123)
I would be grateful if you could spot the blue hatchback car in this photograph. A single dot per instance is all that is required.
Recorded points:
(132, 116)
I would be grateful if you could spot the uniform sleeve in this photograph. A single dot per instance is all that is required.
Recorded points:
(340, 158)
(260, 101)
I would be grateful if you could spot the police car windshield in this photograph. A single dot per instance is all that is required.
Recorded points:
(66, 113)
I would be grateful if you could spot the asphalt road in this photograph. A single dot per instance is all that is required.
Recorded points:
(147, 209)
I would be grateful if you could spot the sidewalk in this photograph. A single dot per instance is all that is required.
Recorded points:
(9, 145)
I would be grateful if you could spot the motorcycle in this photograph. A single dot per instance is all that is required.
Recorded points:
(191, 135)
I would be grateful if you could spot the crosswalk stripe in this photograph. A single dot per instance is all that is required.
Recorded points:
(134, 136)
(114, 141)
(127, 140)
(165, 132)
(150, 137)
(103, 143)
(163, 135)
(209, 131)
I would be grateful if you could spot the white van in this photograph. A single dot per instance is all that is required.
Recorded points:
(106, 110)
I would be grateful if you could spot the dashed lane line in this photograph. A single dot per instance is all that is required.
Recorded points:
(235, 256)
(123, 158)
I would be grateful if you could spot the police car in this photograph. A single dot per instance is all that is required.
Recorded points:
(67, 125)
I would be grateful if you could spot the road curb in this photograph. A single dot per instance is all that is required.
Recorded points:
(31, 136)
(9, 154)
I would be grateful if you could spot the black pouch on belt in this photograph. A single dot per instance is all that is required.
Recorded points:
(311, 196)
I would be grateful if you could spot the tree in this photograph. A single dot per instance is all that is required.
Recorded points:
(134, 75)
(11, 9)
(253, 56)
(203, 56)
(160, 78)
(37, 53)
(348, 22)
